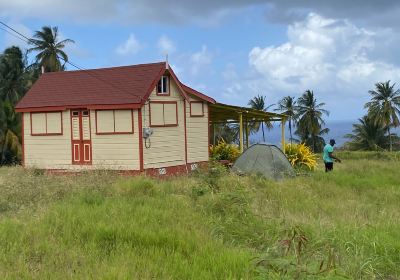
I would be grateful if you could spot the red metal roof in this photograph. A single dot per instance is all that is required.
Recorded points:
(106, 86)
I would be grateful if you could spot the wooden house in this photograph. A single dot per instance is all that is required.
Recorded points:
(98, 118)
(138, 118)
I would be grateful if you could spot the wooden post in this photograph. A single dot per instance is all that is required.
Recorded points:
(283, 134)
(213, 133)
(247, 135)
(241, 132)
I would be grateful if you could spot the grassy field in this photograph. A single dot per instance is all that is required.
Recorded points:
(210, 225)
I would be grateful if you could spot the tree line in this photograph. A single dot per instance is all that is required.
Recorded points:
(16, 78)
(306, 115)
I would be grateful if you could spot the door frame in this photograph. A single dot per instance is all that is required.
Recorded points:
(82, 143)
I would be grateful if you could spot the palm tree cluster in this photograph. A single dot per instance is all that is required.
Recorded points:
(373, 132)
(14, 81)
(16, 77)
(304, 113)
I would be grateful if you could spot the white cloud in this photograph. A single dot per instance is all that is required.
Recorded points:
(199, 60)
(335, 58)
(202, 12)
(130, 47)
(166, 45)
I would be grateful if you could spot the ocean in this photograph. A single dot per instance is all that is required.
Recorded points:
(337, 131)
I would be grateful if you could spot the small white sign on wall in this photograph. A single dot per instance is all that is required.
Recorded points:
(162, 171)
(193, 166)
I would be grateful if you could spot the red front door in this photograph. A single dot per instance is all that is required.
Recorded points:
(80, 137)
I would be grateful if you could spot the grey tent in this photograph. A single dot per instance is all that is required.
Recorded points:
(264, 159)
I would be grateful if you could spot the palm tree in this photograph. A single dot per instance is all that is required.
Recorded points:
(367, 135)
(10, 127)
(258, 103)
(384, 106)
(47, 43)
(13, 81)
(287, 106)
(309, 115)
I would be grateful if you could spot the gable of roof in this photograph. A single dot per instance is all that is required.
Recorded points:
(116, 86)
(198, 94)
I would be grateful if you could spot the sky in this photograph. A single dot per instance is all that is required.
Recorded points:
(232, 50)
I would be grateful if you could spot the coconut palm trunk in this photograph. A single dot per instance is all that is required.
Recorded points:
(262, 128)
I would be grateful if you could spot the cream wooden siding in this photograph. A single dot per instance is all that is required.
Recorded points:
(115, 151)
(47, 152)
(197, 133)
(167, 143)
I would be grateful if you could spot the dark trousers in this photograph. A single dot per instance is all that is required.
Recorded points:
(328, 166)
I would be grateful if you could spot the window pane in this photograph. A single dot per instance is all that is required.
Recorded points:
(38, 123)
(123, 121)
(159, 87)
(105, 121)
(165, 84)
(54, 122)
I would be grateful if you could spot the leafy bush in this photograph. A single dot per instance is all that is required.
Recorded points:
(224, 151)
(300, 155)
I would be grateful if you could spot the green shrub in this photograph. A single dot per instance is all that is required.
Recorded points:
(224, 151)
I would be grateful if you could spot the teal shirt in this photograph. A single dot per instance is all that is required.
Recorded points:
(327, 149)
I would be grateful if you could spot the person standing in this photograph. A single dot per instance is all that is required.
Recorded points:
(328, 156)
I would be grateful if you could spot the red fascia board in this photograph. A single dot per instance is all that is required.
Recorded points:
(162, 72)
(153, 85)
(199, 94)
(178, 83)
(92, 107)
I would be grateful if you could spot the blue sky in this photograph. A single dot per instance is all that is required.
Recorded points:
(232, 50)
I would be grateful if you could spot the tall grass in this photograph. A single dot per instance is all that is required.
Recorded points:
(211, 225)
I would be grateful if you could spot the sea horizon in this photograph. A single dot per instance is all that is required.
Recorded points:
(337, 130)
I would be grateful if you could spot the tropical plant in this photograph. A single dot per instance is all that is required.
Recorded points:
(50, 48)
(10, 127)
(288, 107)
(300, 155)
(258, 103)
(384, 106)
(225, 131)
(224, 151)
(367, 135)
(13, 80)
(310, 119)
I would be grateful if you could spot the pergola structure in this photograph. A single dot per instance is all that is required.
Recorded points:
(228, 114)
